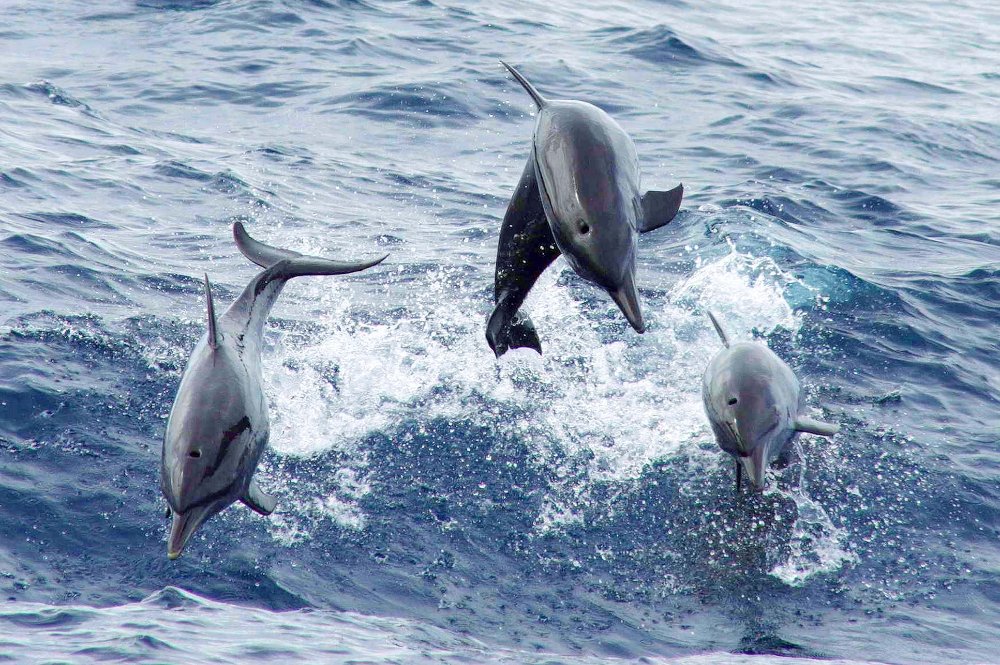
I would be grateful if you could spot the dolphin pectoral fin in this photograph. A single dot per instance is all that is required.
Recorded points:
(259, 501)
(658, 208)
(810, 426)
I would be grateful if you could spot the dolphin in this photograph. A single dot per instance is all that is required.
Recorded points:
(218, 425)
(578, 196)
(754, 405)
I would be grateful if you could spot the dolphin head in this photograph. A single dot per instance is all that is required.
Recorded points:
(208, 451)
(588, 179)
(602, 251)
(749, 396)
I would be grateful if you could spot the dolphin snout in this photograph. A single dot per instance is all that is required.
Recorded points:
(627, 298)
(183, 527)
(755, 467)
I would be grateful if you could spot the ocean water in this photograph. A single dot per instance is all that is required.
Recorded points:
(842, 170)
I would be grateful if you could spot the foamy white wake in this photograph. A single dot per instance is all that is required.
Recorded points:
(621, 404)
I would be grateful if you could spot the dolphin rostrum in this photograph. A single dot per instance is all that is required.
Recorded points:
(218, 424)
(754, 405)
(578, 196)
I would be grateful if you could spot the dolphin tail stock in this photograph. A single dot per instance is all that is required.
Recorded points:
(298, 264)
(718, 329)
(540, 101)
(213, 333)
(659, 208)
(258, 500)
(506, 330)
(810, 426)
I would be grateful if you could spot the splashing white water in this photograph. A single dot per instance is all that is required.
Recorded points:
(816, 545)
(621, 404)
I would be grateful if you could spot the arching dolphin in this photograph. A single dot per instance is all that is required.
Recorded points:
(754, 405)
(579, 196)
(218, 425)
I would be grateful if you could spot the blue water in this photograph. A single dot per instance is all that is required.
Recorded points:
(842, 168)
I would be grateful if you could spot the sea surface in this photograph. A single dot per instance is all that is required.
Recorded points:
(841, 162)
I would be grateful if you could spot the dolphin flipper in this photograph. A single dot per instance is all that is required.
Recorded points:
(658, 208)
(526, 249)
(810, 426)
(258, 500)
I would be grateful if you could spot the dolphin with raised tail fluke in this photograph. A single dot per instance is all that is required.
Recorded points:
(754, 404)
(578, 196)
(218, 425)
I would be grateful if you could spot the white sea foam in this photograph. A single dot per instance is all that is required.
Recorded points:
(816, 545)
(619, 404)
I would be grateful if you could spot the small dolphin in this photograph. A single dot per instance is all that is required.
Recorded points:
(578, 196)
(754, 405)
(218, 425)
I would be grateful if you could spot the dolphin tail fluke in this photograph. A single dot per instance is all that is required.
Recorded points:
(258, 500)
(253, 306)
(298, 264)
(659, 208)
(719, 330)
(523, 334)
(540, 101)
(811, 426)
(213, 333)
(504, 333)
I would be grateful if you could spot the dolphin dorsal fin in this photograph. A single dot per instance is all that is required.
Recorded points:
(213, 335)
(718, 329)
(540, 101)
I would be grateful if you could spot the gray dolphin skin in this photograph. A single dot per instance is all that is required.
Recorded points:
(578, 196)
(218, 426)
(754, 405)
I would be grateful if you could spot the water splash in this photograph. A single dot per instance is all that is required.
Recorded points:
(616, 404)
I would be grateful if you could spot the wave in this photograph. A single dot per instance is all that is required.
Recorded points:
(182, 627)
(414, 104)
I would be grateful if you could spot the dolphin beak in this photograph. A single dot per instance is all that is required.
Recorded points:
(627, 299)
(754, 465)
(183, 527)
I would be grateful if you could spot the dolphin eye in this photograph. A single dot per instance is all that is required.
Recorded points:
(583, 226)
(195, 454)
(732, 400)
